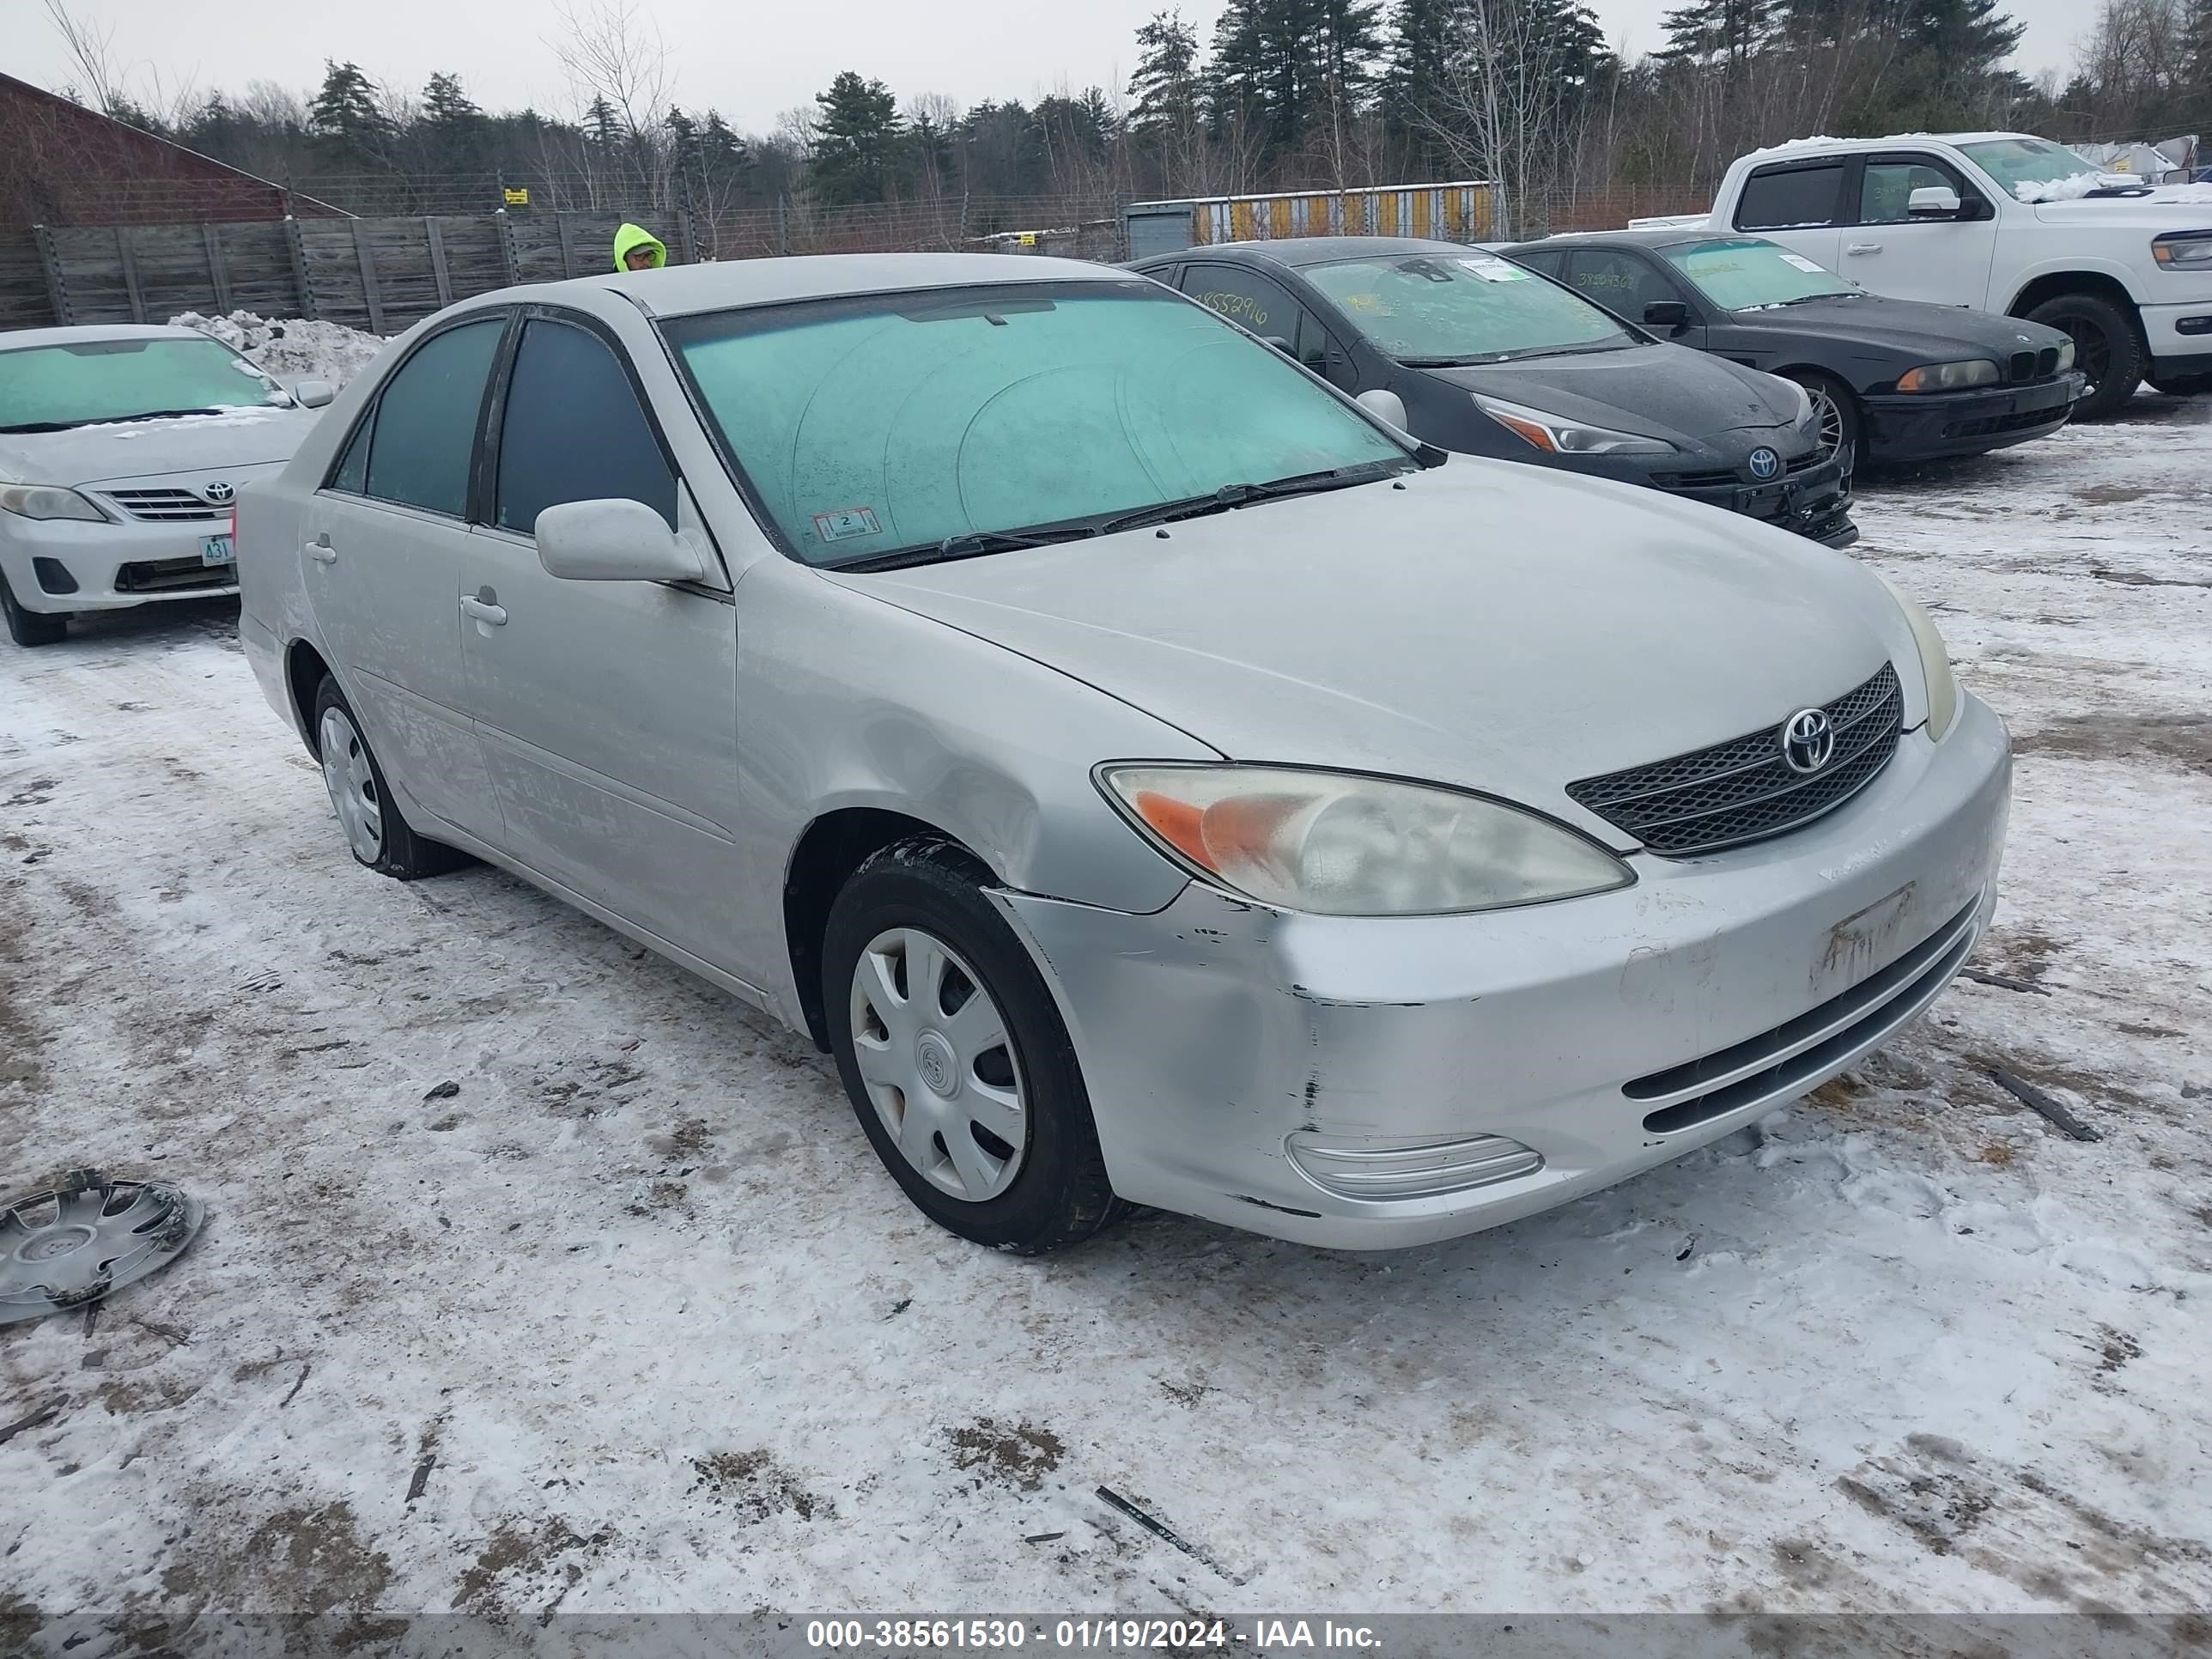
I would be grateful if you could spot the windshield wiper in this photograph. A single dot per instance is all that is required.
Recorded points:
(968, 544)
(1243, 494)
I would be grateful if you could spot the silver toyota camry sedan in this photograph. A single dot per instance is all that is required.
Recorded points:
(1156, 778)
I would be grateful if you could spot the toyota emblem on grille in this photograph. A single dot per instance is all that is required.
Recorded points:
(1765, 464)
(1808, 740)
(218, 492)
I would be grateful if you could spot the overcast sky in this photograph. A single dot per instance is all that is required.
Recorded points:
(749, 59)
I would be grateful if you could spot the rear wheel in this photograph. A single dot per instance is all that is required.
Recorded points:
(955, 1056)
(29, 627)
(2106, 348)
(379, 835)
(1835, 409)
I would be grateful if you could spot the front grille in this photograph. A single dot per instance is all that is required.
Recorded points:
(167, 505)
(1787, 1061)
(172, 575)
(2026, 366)
(1807, 461)
(1719, 480)
(1743, 790)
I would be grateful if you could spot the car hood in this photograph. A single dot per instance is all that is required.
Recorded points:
(2170, 207)
(133, 449)
(1659, 391)
(1873, 324)
(1498, 627)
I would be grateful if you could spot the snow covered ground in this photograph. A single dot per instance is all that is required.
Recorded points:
(538, 1274)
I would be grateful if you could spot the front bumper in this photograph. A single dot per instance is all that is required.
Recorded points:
(56, 566)
(1814, 498)
(1907, 427)
(1218, 1038)
(2180, 337)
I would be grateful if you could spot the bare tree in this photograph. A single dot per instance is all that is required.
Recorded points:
(614, 57)
(91, 48)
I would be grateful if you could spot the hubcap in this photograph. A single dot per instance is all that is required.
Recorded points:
(352, 784)
(932, 1051)
(1828, 416)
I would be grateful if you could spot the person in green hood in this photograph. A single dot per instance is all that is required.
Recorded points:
(637, 248)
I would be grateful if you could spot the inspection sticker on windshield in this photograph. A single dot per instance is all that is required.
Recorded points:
(1803, 263)
(846, 522)
(1494, 271)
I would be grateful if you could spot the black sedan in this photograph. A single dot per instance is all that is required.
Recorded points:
(1898, 380)
(1488, 359)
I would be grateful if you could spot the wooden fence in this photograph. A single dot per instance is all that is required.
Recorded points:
(381, 275)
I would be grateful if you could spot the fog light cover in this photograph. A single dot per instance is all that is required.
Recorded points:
(1401, 1167)
(53, 575)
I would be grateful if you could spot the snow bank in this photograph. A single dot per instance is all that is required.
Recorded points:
(292, 351)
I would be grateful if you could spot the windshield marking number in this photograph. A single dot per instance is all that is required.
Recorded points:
(845, 522)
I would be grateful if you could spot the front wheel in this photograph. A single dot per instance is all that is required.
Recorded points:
(956, 1058)
(1835, 410)
(376, 831)
(2106, 348)
(29, 628)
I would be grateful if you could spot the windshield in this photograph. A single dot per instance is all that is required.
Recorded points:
(50, 387)
(2031, 162)
(1742, 273)
(1436, 309)
(873, 425)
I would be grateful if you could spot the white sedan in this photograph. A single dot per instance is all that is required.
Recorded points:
(122, 451)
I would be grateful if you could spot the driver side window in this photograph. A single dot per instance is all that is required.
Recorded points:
(1885, 189)
(573, 431)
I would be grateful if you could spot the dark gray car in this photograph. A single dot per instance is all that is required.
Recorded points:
(1490, 359)
(1897, 380)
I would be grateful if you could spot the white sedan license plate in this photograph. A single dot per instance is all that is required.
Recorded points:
(216, 549)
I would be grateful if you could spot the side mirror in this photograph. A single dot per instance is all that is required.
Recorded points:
(613, 541)
(313, 394)
(1386, 406)
(1667, 313)
(1933, 202)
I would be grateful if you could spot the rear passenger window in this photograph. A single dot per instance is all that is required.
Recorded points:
(573, 431)
(426, 421)
(1546, 262)
(1783, 197)
(1621, 282)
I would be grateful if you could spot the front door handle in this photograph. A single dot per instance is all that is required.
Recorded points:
(1864, 247)
(320, 549)
(483, 611)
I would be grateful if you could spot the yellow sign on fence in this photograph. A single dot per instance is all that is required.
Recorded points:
(517, 198)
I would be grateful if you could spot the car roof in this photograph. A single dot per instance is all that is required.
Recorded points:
(1293, 251)
(727, 284)
(1889, 141)
(18, 339)
(1656, 236)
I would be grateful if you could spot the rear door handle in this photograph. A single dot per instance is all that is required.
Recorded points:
(1864, 247)
(492, 616)
(320, 549)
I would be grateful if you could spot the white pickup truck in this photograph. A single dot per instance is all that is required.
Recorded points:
(2007, 224)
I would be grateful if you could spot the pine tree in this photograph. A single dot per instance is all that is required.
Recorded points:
(1724, 32)
(722, 152)
(453, 125)
(857, 142)
(1418, 72)
(349, 127)
(1167, 97)
(601, 123)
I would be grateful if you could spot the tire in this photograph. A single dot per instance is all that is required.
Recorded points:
(2106, 349)
(1029, 1177)
(376, 833)
(29, 628)
(1838, 408)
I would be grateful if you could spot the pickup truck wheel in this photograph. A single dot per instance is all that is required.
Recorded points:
(955, 1056)
(2106, 348)
(29, 628)
(1835, 409)
(375, 832)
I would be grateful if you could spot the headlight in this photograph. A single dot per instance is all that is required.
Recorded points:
(2183, 250)
(1562, 437)
(47, 501)
(1339, 845)
(1948, 377)
(1802, 414)
(1935, 667)
(2066, 356)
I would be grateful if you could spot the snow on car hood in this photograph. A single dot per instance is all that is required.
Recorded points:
(1500, 627)
(131, 449)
